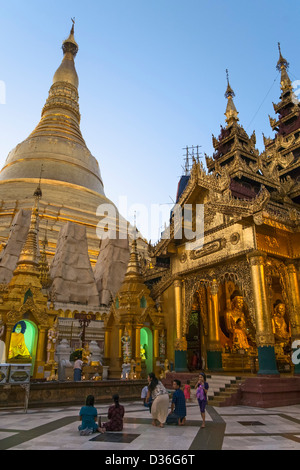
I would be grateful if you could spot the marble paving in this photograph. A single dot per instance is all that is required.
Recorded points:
(228, 428)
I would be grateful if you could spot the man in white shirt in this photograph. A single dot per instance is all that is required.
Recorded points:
(78, 370)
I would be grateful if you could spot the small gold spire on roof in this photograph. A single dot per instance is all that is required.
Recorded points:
(229, 90)
(282, 62)
(282, 66)
(231, 112)
(29, 258)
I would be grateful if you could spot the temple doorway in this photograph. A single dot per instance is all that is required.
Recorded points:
(194, 346)
(146, 344)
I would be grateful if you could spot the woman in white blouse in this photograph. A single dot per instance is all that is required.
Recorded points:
(160, 400)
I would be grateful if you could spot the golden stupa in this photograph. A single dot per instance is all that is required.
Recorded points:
(56, 154)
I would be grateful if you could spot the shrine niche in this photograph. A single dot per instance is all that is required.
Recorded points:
(26, 334)
(197, 330)
(234, 320)
(218, 320)
(281, 310)
(21, 342)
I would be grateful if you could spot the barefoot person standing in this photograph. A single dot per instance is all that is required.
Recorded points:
(201, 395)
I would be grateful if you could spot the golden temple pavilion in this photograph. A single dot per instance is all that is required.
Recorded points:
(232, 301)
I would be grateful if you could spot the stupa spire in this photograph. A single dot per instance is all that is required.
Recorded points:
(57, 141)
(231, 112)
(282, 66)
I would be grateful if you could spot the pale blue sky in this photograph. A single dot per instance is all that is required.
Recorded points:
(151, 78)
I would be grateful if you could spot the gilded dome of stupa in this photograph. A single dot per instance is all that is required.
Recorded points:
(56, 155)
(57, 142)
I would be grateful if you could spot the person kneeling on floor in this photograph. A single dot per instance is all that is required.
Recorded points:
(88, 417)
(178, 406)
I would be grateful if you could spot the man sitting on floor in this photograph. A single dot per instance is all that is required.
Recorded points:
(178, 406)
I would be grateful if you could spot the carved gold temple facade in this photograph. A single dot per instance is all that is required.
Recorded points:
(227, 301)
(233, 301)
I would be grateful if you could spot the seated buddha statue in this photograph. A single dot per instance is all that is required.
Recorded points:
(236, 322)
(17, 347)
(240, 340)
(280, 328)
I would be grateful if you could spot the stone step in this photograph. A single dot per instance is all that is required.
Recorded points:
(221, 387)
(220, 398)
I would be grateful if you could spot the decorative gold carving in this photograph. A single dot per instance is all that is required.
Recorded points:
(235, 238)
(180, 344)
(264, 339)
(208, 248)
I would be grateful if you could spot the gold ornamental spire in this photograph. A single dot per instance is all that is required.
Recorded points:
(133, 267)
(282, 66)
(43, 264)
(66, 72)
(29, 258)
(57, 138)
(231, 112)
(60, 115)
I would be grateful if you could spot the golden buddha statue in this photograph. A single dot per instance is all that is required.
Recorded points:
(236, 322)
(240, 340)
(86, 354)
(17, 347)
(280, 329)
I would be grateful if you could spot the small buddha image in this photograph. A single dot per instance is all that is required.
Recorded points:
(235, 312)
(86, 354)
(143, 352)
(240, 340)
(280, 329)
(236, 323)
(17, 347)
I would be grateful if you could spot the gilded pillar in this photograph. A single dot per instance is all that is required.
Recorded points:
(156, 356)
(120, 343)
(178, 307)
(138, 342)
(294, 296)
(214, 350)
(41, 350)
(156, 344)
(180, 343)
(107, 336)
(8, 338)
(138, 363)
(264, 332)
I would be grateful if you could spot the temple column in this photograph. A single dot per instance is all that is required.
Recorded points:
(41, 350)
(264, 332)
(107, 336)
(294, 313)
(156, 343)
(156, 368)
(120, 352)
(214, 350)
(8, 338)
(180, 359)
(138, 361)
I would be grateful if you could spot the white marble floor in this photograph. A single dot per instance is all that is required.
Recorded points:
(228, 428)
